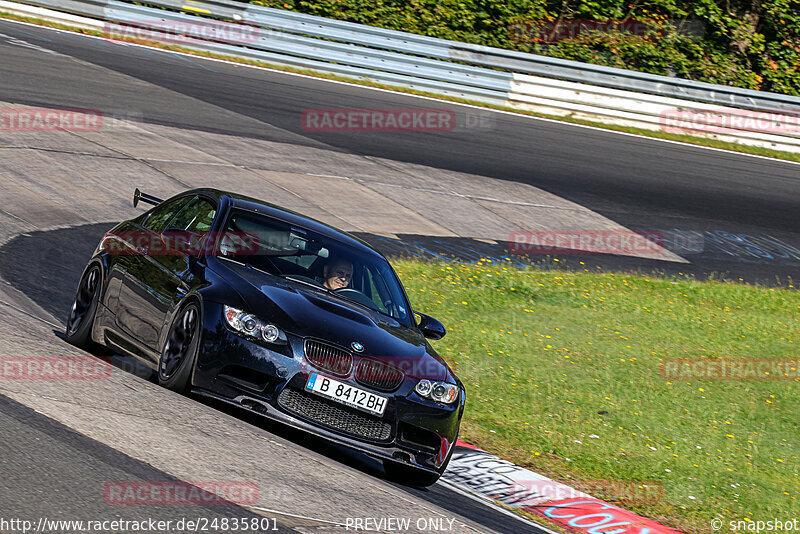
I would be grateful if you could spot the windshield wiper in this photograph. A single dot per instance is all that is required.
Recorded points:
(305, 282)
(246, 264)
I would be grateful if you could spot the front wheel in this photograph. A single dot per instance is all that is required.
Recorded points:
(81, 315)
(180, 350)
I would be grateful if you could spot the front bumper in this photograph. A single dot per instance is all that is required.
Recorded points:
(271, 381)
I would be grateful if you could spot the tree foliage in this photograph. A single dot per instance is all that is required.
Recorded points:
(746, 43)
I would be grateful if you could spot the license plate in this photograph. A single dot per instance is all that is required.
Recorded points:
(346, 394)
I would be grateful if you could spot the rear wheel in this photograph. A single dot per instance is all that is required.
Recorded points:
(180, 350)
(81, 316)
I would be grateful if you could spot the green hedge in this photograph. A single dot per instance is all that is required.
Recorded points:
(753, 44)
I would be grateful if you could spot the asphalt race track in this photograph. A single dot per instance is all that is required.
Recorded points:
(197, 121)
(635, 180)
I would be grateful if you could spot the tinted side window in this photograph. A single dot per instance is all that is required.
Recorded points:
(375, 290)
(161, 214)
(196, 216)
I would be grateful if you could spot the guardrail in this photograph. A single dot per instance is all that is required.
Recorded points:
(484, 56)
(630, 80)
(763, 128)
(300, 51)
(473, 72)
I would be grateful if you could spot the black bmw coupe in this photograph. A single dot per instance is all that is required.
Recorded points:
(239, 300)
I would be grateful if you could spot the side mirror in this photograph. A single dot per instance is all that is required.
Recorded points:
(430, 327)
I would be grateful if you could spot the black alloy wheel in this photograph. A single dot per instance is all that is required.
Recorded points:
(180, 350)
(81, 316)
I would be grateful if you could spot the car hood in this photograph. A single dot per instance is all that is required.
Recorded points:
(309, 313)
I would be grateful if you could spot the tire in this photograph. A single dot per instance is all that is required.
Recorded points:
(78, 327)
(178, 356)
(411, 476)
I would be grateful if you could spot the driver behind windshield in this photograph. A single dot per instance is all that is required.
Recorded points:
(337, 273)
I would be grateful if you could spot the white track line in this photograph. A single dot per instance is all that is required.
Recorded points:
(59, 327)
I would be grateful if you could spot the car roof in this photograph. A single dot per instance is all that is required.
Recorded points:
(253, 204)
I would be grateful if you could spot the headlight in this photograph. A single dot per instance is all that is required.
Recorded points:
(438, 391)
(249, 325)
(270, 333)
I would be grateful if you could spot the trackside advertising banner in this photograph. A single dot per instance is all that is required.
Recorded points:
(594, 516)
(575, 509)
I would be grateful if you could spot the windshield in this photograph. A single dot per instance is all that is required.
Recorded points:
(309, 258)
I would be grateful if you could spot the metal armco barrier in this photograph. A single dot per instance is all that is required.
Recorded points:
(615, 78)
(473, 72)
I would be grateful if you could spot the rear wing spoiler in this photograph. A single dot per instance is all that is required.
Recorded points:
(144, 197)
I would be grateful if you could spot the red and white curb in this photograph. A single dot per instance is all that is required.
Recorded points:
(483, 474)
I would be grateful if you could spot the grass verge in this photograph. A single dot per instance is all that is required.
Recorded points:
(683, 138)
(565, 375)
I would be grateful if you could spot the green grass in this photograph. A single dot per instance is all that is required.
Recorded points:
(554, 358)
(683, 138)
